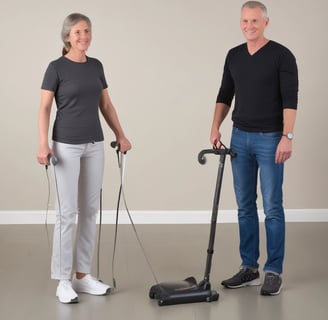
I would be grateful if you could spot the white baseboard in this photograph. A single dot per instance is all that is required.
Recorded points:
(162, 217)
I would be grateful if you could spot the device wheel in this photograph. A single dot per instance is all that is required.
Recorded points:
(160, 302)
(214, 297)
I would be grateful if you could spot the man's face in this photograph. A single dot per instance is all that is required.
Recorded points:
(253, 23)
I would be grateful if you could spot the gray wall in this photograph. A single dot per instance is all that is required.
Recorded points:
(164, 61)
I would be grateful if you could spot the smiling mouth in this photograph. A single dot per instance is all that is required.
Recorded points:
(250, 32)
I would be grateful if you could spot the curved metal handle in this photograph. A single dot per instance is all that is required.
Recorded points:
(223, 150)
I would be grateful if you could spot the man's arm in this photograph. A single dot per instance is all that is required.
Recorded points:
(221, 111)
(284, 149)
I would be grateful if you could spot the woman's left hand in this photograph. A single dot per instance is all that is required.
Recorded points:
(125, 144)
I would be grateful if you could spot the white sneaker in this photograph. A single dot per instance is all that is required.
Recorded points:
(91, 285)
(65, 292)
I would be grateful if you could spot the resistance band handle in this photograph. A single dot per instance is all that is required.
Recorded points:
(116, 146)
(52, 160)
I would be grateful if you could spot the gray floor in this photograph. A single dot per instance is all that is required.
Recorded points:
(175, 252)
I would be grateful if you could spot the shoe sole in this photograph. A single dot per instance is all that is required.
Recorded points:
(265, 293)
(255, 282)
(95, 293)
(75, 300)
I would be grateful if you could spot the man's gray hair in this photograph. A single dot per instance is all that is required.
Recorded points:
(256, 4)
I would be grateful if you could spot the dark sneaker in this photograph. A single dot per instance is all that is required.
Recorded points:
(245, 277)
(272, 284)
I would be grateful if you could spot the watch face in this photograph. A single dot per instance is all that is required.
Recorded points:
(290, 135)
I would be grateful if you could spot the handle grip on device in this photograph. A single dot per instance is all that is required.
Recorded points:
(222, 150)
(52, 160)
(117, 146)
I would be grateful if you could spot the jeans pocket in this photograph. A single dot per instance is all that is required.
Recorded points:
(272, 135)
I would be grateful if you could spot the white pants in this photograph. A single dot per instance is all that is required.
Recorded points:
(78, 176)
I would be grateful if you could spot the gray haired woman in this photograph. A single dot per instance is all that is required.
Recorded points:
(78, 85)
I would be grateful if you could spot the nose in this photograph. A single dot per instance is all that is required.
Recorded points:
(249, 25)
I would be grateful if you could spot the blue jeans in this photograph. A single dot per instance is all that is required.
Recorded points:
(256, 156)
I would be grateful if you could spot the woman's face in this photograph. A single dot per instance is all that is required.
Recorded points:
(80, 36)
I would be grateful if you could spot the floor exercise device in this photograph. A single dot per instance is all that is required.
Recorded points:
(188, 290)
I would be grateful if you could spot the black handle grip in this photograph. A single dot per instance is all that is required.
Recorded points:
(115, 145)
(52, 159)
(217, 151)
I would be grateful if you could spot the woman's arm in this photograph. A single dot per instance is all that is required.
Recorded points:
(109, 113)
(44, 119)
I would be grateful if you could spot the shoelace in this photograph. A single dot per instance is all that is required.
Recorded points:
(66, 283)
(270, 277)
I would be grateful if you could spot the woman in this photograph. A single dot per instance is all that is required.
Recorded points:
(78, 85)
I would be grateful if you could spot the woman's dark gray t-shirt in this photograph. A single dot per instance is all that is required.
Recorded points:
(77, 88)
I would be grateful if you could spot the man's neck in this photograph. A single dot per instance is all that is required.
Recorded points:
(254, 46)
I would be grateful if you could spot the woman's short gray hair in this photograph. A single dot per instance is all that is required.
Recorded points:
(69, 22)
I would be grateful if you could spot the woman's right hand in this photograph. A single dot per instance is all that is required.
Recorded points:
(44, 155)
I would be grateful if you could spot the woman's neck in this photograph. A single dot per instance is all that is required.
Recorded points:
(76, 56)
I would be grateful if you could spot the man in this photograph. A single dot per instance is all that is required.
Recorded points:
(262, 76)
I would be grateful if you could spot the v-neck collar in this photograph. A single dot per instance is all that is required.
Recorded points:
(257, 51)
